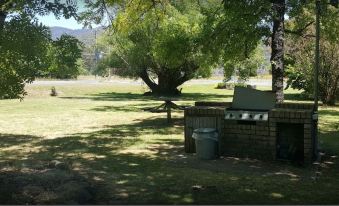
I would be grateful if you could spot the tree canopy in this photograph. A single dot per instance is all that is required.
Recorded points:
(22, 57)
(63, 54)
(164, 45)
(300, 55)
(24, 42)
(66, 8)
(174, 41)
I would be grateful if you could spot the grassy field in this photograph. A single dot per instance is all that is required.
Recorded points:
(96, 145)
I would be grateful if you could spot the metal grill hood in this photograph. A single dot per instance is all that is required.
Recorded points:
(252, 99)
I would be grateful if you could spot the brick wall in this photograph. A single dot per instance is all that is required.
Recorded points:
(295, 116)
(201, 117)
(246, 140)
(249, 139)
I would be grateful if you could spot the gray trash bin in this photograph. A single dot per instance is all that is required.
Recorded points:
(206, 143)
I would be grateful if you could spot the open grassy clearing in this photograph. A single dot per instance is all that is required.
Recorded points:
(112, 152)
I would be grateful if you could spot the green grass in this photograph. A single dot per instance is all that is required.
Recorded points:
(126, 155)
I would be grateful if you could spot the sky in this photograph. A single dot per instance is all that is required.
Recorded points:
(51, 21)
(71, 23)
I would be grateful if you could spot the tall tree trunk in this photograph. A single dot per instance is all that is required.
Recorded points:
(277, 46)
(3, 16)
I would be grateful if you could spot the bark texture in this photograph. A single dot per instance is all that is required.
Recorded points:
(277, 46)
(3, 16)
(329, 91)
(168, 82)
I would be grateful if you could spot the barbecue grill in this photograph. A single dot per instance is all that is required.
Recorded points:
(250, 105)
(254, 125)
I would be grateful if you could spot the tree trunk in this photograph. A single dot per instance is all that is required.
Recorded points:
(329, 100)
(329, 94)
(145, 77)
(277, 46)
(3, 16)
(167, 83)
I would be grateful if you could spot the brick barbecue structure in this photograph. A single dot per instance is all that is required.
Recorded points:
(287, 134)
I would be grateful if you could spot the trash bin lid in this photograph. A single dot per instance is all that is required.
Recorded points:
(204, 130)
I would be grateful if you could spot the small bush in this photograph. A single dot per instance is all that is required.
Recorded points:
(240, 84)
(53, 93)
(221, 85)
(230, 86)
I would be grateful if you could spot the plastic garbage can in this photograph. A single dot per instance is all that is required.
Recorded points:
(206, 143)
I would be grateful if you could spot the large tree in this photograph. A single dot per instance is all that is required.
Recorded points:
(164, 46)
(300, 55)
(267, 17)
(22, 57)
(23, 42)
(172, 41)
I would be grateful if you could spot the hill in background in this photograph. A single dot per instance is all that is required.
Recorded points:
(87, 36)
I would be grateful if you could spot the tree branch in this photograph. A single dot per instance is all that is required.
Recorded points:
(145, 77)
(299, 31)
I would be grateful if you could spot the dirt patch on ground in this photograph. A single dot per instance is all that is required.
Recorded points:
(44, 186)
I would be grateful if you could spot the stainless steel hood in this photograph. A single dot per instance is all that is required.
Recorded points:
(252, 99)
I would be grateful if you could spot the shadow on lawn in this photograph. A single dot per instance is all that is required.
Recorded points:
(329, 142)
(113, 96)
(88, 168)
(7, 140)
(114, 165)
(330, 112)
(295, 97)
(139, 107)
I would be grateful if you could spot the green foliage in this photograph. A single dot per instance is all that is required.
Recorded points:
(23, 43)
(178, 39)
(228, 85)
(245, 68)
(22, 57)
(82, 67)
(263, 19)
(221, 85)
(300, 57)
(165, 45)
(64, 54)
(66, 8)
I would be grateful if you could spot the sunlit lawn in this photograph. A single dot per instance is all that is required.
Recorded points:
(113, 152)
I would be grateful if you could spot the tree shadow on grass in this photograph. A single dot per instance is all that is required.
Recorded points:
(120, 164)
(330, 112)
(296, 97)
(139, 107)
(92, 170)
(113, 96)
(329, 141)
(7, 140)
(150, 101)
